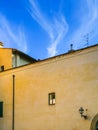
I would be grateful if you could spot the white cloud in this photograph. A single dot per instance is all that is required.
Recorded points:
(55, 28)
(93, 9)
(12, 35)
(88, 27)
(61, 28)
(38, 16)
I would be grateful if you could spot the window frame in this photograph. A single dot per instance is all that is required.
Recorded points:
(52, 98)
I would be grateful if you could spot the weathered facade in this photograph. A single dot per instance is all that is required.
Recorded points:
(48, 94)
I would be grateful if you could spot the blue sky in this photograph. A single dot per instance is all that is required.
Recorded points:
(45, 28)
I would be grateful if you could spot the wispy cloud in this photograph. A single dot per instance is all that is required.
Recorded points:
(60, 30)
(87, 31)
(12, 35)
(93, 9)
(56, 28)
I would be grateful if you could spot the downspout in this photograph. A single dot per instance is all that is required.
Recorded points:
(13, 103)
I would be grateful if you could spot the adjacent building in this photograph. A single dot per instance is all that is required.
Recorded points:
(12, 58)
(58, 93)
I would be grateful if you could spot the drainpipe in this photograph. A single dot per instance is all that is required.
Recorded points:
(13, 103)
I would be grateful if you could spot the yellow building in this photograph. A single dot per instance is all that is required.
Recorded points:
(58, 93)
(11, 58)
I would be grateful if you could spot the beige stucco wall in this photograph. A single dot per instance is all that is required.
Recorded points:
(74, 79)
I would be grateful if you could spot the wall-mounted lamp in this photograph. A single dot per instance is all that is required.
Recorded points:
(81, 111)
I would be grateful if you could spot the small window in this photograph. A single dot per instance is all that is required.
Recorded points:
(52, 99)
(2, 68)
(1, 109)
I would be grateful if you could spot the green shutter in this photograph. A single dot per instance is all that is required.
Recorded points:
(1, 109)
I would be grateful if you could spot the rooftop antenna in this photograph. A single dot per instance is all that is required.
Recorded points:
(87, 39)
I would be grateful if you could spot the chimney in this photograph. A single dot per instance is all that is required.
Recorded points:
(71, 48)
(1, 45)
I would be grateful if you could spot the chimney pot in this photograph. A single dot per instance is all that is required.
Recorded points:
(71, 48)
(1, 45)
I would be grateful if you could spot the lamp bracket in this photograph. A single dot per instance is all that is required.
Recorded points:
(81, 111)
